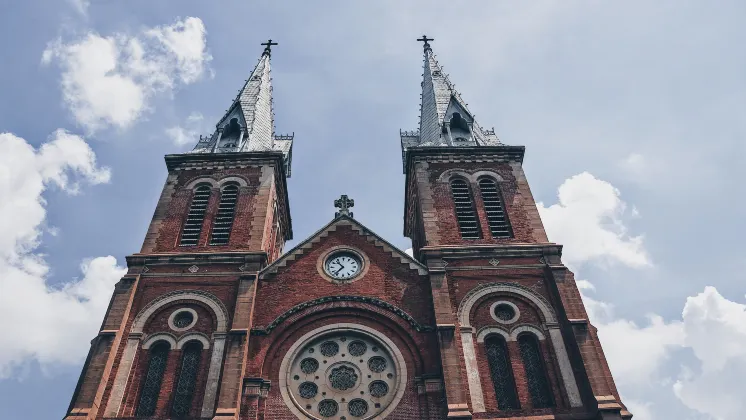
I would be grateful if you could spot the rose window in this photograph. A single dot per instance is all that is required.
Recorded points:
(343, 375)
(183, 319)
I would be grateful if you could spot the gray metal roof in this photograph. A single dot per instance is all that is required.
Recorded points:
(440, 100)
(252, 110)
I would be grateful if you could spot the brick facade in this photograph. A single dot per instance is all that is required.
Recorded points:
(257, 309)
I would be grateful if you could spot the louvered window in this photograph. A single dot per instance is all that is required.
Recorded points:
(493, 207)
(536, 377)
(465, 214)
(151, 387)
(501, 373)
(193, 224)
(187, 377)
(221, 227)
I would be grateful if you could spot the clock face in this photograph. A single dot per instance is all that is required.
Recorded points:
(343, 265)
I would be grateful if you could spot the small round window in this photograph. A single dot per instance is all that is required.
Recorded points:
(182, 319)
(504, 312)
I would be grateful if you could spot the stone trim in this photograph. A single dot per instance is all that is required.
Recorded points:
(220, 311)
(393, 350)
(550, 319)
(364, 261)
(342, 298)
(505, 302)
(309, 243)
(473, 178)
(154, 338)
(195, 336)
(178, 311)
(464, 310)
(485, 332)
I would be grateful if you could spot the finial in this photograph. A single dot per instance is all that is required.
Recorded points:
(344, 204)
(268, 47)
(426, 45)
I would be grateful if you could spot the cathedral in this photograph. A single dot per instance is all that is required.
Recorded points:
(215, 320)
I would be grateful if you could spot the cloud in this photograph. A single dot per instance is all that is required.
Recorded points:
(80, 6)
(110, 80)
(49, 324)
(715, 330)
(189, 132)
(588, 221)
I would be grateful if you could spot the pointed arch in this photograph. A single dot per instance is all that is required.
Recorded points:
(223, 223)
(466, 214)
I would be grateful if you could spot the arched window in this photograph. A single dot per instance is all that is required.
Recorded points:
(493, 207)
(501, 373)
(221, 228)
(151, 386)
(187, 378)
(193, 224)
(465, 214)
(536, 377)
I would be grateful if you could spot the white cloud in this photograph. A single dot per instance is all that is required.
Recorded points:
(189, 132)
(588, 221)
(715, 329)
(110, 80)
(409, 251)
(49, 324)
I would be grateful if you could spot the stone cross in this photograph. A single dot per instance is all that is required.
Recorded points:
(268, 47)
(344, 204)
(426, 44)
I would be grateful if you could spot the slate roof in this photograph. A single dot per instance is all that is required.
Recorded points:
(438, 96)
(253, 109)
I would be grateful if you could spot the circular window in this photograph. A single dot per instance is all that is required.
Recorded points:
(182, 319)
(343, 265)
(504, 312)
(343, 374)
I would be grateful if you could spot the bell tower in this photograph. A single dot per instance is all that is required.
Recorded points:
(174, 339)
(514, 335)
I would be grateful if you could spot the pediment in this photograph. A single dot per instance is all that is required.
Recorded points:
(342, 221)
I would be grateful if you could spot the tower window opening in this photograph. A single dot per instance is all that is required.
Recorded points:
(151, 387)
(221, 228)
(536, 376)
(493, 207)
(465, 214)
(501, 373)
(185, 385)
(193, 224)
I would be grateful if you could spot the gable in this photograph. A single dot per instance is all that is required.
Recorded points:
(363, 233)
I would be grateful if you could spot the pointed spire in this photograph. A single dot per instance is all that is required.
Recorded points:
(248, 124)
(445, 119)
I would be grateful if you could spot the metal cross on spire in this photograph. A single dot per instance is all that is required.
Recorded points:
(425, 39)
(268, 47)
(344, 204)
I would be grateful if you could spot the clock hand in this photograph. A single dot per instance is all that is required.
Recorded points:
(341, 267)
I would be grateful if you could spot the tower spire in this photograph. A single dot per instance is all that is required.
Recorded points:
(445, 119)
(248, 124)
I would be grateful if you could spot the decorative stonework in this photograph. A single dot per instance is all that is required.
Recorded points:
(193, 269)
(342, 298)
(494, 262)
(342, 371)
(182, 319)
(504, 312)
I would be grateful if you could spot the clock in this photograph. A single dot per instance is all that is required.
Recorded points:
(343, 265)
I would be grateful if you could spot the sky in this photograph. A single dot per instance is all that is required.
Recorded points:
(633, 115)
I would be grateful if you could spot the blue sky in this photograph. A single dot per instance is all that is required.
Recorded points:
(632, 114)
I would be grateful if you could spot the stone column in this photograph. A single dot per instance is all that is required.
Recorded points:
(568, 377)
(213, 375)
(472, 370)
(123, 373)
